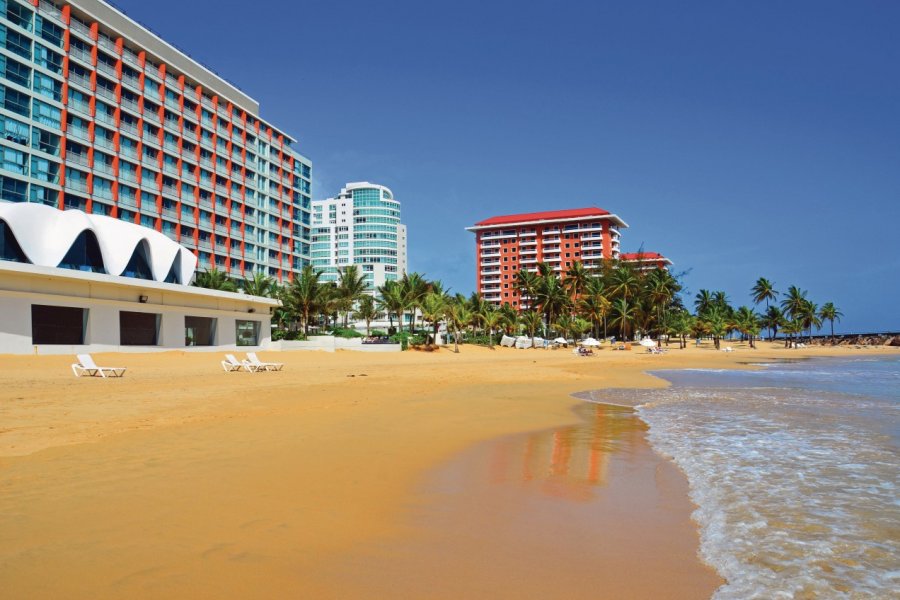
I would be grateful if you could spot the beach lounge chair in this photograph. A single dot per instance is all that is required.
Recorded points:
(232, 364)
(253, 360)
(87, 366)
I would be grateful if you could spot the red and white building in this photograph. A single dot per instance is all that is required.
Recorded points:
(646, 261)
(505, 244)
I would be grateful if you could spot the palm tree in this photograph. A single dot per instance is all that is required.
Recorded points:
(577, 277)
(680, 325)
(716, 323)
(459, 316)
(809, 316)
(490, 319)
(414, 289)
(564, 324)
(660, 288)
(792, 305)
(764, 290)
(509, 318)
(259, 285)
(791, 328)
(526, 284)
(305, 295)
(552, 297)
(351, 286)
(773, 319)
(703, 301)
(390, 300)
(829, 312)
(622, 316)
(747, 322)
(366, 311)
(215, 279)
(434, 309)
(595, 307)
(532, 321)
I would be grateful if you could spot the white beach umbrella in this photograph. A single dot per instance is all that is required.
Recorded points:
(648, 343)
(590, 342)
(561, 340)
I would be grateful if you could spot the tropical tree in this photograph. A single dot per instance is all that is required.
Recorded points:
(509, 318)
(703, 301)
(809, 317)
(532, 321)
(680, 325)
(551, 297)
(459, 316)
(305, 295)
(414, 289)
(716, 322)
(563, 324)
(215, 279)
(793, 302)
(791, 328)
(747, 322)
(260, 284)
(577, 277)
(351, 287)
(773, 319)
(829, 312)
(366, 311)
(526, 284)
(622, 316)
(764, 290)
(434, 310)
(490, 319)
(659, 289)
(391, 301)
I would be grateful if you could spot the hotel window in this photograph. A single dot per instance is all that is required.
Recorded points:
(247, 333)
(45, 170)
(12, 189)
(14, 101)
(14, 71)
(14, 131)
(58, 324)
(48, 59)
(14, 161)
(46, 114)
(47, 86)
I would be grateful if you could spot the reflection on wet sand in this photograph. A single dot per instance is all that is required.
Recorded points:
(567, 462)
(583, 511)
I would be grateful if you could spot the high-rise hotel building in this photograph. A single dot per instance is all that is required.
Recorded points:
(98, 113)
(361, 226)
(508, 243)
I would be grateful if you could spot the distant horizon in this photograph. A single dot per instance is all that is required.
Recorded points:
(738, 141)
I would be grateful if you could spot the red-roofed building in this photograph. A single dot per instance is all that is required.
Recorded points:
(646, 261)
(507, 243)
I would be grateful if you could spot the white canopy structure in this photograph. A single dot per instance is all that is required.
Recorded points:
(46, 235)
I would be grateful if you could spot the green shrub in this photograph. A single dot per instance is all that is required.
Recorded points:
(282, 334)
(378, 333)
(346, 333)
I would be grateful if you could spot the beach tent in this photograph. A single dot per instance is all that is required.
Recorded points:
(523, 342)
(590, 343)
(648, 343)
(508, 341)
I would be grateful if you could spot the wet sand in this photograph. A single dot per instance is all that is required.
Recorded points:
(181, 481)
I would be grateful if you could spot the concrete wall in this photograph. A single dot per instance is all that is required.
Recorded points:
(22, 286)
(329, 343)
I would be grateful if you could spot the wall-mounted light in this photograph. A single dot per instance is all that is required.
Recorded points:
(251, 310)
(142, 299)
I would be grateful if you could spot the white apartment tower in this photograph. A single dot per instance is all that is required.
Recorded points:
(361, 226)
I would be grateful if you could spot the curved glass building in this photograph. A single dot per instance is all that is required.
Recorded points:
(361, 226)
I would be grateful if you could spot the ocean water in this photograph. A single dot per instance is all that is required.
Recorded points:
(794, 470)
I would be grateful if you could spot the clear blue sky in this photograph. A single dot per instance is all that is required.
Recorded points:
(740, 139)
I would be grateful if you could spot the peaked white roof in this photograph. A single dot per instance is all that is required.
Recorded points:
(45, 235)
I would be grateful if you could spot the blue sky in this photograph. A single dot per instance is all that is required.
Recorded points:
(740, 139)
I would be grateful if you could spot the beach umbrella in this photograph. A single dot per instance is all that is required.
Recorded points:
(590, 342)
(648, 343)
(560, 340)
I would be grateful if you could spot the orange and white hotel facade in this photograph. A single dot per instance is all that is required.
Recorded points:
(645, 261)
(505, 244)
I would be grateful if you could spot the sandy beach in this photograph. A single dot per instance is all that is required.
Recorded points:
(182, 481)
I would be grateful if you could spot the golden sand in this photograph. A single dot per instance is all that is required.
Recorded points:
(182, 481)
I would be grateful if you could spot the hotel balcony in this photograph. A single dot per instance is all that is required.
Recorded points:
(532, 242)
(528, 252)
(528, 234)
(528, 261)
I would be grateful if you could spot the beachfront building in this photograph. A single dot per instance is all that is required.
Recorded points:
(360, 226)
(74, 282)
(507, 243)
(99, 114)
(645, 261)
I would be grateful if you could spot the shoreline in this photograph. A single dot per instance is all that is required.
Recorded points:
(247, 483)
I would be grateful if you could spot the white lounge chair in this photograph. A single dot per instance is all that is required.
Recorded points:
(232, 364)
(253, 360)
(87, 366)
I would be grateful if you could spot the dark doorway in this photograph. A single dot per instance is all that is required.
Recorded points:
(138, 329)
(58, 324)
(199, 331)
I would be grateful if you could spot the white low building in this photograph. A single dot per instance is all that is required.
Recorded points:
(72, 282)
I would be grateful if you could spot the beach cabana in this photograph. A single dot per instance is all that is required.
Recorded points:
(508, 341)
